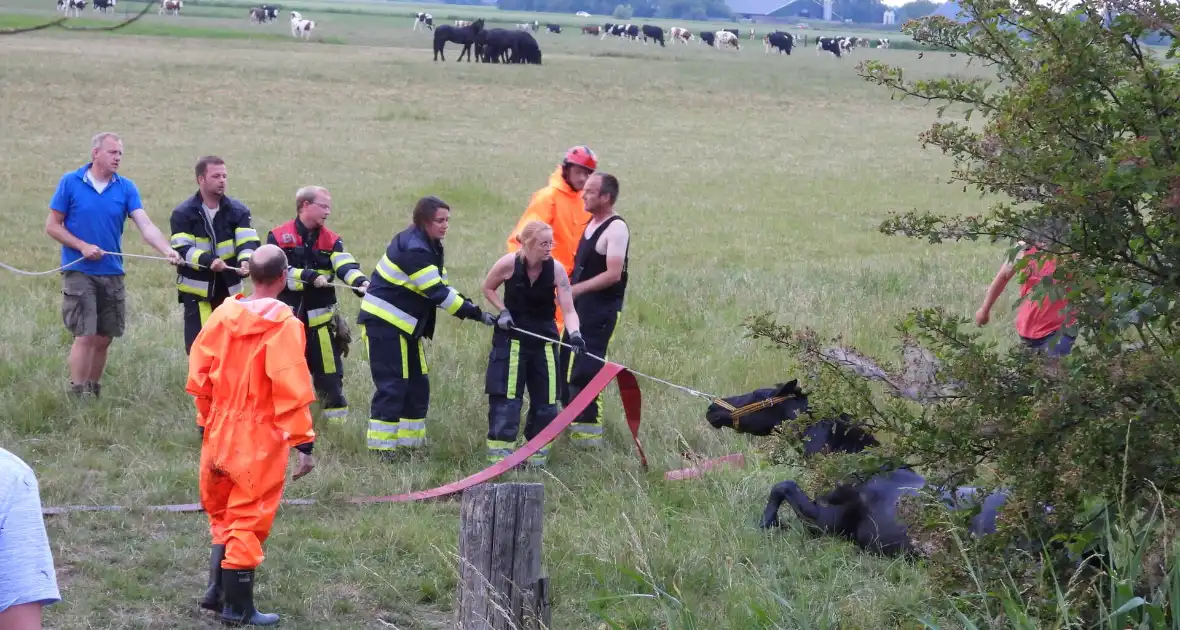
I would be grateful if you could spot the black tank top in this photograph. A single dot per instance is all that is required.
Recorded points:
(533, 306)
(589, 263)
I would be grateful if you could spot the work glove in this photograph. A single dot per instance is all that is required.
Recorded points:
(505, 320)
(577, 342)
(487, 318)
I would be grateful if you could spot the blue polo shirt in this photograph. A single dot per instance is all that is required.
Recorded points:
(97, 218)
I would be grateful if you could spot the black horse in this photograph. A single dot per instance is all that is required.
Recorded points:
(465, 35)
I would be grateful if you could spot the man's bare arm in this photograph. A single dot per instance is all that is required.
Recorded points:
(152, 234)
(55, 227)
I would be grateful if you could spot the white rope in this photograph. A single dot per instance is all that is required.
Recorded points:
(126, 255)
(682, 388)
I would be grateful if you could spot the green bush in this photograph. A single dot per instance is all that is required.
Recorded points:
(1079, 133)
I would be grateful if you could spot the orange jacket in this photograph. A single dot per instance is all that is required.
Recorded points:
(563, 209)
(252, 386)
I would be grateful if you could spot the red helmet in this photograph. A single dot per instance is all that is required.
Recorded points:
(582, 156)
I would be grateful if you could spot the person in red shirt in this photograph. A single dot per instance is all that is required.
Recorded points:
(1037, 324)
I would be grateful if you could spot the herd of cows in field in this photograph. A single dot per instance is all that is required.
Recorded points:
(519, 46)
(499, 45)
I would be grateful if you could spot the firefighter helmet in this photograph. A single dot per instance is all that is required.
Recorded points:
(581, 155)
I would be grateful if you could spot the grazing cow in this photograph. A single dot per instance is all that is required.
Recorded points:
(726, 38)
(751, 33)
(779, 40)
(464, 35)
(423, 20)
(301, 28)
(618, 30)
(834, 45)
(883, 42)
(632, 32)
(654, 32)
(104, 5)
(866, 513)
(592, 30)
(264, 13)
(534, 25)
(553, 28)
(734, 31)
(680, 34)
(170, 7)
(71, 6)
(707, 37)
(462, 23)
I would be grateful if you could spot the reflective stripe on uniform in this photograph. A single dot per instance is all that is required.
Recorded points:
(318, 316)
(382, 435)
(180, 239)
(412, 432)
(339, 259)
(192, 287)
(421, 280)
(245, 235)
(513, 366)
(192, 256)
(453, 302)
(225, 250)
(205, 309)
(390, 313)
(551, 371)
(499, 449)
(326, 357)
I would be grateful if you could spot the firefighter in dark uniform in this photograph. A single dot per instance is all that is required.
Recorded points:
(599, 286)
(210, 231)
(315, 254)
(398, 310)
(530, 277)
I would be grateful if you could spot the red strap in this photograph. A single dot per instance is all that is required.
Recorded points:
(632, 407)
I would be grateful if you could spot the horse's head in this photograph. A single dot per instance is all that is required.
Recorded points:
(477, 25)
(761, 422)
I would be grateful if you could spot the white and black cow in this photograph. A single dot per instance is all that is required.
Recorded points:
(264, 13)
(423, 20)
(301, 28)
(725, 39)
(71, 6)
(835, 45)
(653, 32)
(104, 5)
(529, 26)
(170, 7)
(883, 42)
(779, 40)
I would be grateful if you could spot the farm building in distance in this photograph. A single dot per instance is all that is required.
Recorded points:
(791, 11)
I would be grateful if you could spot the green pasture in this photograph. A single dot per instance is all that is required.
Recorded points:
(751, 182)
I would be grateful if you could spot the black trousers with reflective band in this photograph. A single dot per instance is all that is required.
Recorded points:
(397, 414)
(515, 365)
(196, 313)
(598, 329)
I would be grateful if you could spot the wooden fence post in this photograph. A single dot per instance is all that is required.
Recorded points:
(500, 582)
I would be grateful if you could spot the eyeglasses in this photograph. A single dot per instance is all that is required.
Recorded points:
(325, 207)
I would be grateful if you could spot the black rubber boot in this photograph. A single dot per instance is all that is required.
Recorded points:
(239, 601)
(212, 599)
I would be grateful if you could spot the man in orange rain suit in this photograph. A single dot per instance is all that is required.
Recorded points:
(560, 206)
(253, 393)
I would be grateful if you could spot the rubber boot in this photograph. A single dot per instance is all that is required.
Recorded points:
(239, 607)
(212, 599)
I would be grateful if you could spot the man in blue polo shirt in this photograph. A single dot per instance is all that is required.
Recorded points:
(86, 216)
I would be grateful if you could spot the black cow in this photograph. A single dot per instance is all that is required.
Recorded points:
(631, 31)
(424, 19)
(653, 32)
(464, 35)
(707, 37)
(264, 13)
(553, 28)
(827, 435)
(104, 5)
(779, 40)
(866, 513)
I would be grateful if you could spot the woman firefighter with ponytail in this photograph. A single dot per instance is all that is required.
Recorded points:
(530, 277)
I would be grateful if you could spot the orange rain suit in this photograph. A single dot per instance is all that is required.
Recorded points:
(253, 390)
(564, 210)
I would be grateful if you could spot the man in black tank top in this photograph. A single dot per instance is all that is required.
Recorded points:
(530, 277)
(599, 284)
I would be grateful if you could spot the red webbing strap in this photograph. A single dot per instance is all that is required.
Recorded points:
(632, 407)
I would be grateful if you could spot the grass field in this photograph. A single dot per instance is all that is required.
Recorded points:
(751, 182)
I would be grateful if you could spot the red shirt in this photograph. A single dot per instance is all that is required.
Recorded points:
(1033, 320)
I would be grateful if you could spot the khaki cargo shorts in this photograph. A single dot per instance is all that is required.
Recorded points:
(93, 305)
